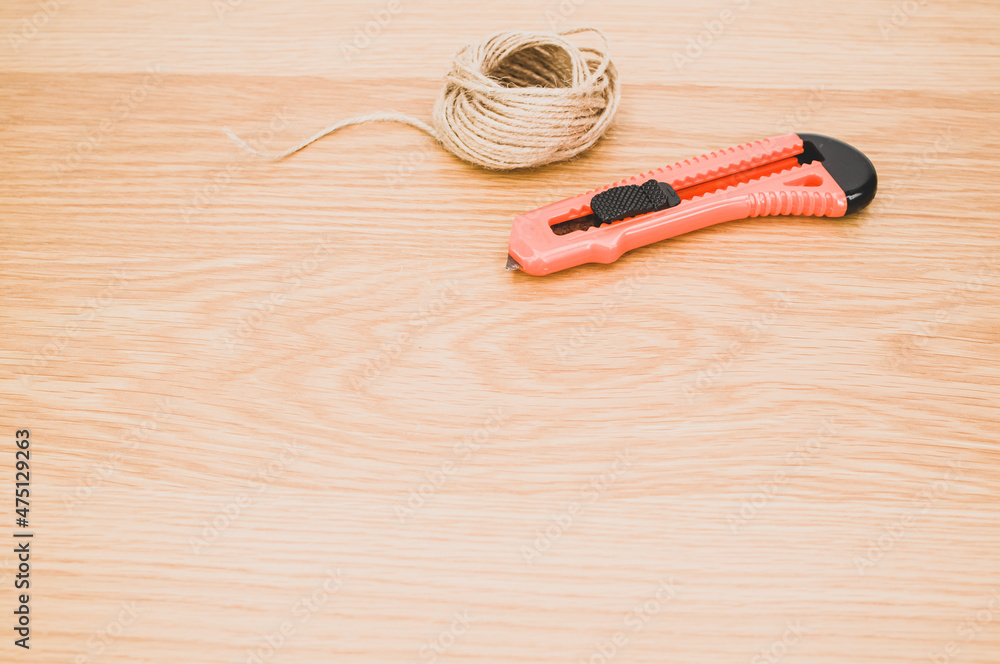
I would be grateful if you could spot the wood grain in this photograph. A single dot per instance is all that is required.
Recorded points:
(298, 412)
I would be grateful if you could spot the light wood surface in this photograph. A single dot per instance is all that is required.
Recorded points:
(770, 441)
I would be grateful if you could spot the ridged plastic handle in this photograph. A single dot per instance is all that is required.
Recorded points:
(807, 189)
(799, 203)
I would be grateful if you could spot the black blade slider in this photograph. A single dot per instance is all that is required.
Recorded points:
(631, 200)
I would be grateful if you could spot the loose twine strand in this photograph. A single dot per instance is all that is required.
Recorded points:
(513, 100)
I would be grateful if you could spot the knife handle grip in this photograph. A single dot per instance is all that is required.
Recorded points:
(803, 190)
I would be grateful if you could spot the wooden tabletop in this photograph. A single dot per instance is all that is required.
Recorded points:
(297, 411)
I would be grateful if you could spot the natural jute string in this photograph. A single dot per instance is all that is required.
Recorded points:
(513, 100)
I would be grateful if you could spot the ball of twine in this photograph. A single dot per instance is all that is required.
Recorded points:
(513, 100)
(522, 99)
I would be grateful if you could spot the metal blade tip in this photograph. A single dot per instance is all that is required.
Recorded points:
(512, 264)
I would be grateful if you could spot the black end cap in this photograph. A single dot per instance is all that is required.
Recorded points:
(850, 168)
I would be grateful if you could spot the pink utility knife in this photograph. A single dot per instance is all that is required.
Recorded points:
(795, 174)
